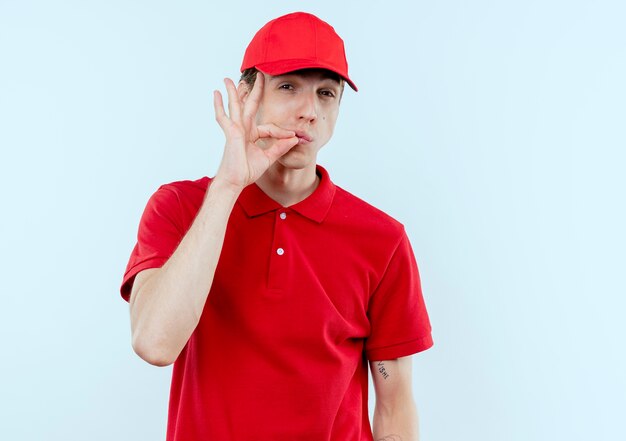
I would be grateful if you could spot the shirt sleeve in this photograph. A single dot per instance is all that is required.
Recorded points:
(398, 318)
(159, 234)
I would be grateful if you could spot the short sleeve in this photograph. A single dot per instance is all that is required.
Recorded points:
(398, 318)
(159, 234)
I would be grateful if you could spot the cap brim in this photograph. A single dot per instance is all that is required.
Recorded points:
(286, 66)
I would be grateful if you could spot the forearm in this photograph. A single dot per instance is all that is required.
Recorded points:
(167, 307)
(398, 422)
(166, 304)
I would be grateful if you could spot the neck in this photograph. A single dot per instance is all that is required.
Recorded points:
(288, 186)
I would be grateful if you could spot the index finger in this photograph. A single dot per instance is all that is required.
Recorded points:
(251, 105)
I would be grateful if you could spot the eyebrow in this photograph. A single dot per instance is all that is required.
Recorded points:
(287, 75)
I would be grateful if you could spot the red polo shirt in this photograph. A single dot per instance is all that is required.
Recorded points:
(302, 297)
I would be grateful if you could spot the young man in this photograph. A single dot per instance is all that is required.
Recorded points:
(269, 287)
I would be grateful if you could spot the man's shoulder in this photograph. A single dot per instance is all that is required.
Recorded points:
(185, 195)
(187, 186)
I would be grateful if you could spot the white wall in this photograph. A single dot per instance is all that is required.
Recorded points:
(493, 130)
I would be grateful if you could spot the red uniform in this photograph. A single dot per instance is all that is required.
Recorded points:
(302, 297)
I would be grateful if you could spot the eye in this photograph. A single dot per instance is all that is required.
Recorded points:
(327, 93)
(286, 86)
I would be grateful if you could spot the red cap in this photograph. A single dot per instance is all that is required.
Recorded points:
(297, 41)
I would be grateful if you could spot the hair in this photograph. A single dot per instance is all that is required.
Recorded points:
(248, 76)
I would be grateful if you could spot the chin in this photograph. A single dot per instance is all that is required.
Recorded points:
(295, 160)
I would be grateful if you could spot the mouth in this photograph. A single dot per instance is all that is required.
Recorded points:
(303, 137)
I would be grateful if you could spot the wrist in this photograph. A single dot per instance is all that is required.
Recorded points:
(226, 187)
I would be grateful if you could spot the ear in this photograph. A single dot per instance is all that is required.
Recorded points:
(243, 90)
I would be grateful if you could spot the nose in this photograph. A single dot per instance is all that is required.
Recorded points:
(307, 109)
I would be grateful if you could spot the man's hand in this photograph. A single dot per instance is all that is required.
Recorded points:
(244, 161)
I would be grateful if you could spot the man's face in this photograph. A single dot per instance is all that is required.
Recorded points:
(306, 102)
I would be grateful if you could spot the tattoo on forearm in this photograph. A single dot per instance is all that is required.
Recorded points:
(383, 372)
(391, 438)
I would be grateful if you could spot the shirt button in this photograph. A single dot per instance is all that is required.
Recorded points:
(283, 216)
(280, 251)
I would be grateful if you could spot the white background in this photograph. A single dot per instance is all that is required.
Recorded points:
(494, 130)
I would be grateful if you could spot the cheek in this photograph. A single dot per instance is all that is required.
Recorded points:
(330, 118)
(270, 111)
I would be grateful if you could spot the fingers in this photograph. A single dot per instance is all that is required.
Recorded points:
(273, 131)
(218, 106)
(279, 140)
(254, 98)
(280, 147)
(240, 112)
(234, 105)
(283, 140)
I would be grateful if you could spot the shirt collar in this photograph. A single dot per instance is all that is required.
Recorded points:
(315, 207)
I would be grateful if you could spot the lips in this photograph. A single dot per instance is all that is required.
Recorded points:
(303, 137)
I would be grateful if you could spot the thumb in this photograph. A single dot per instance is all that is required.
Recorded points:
(280, 147)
